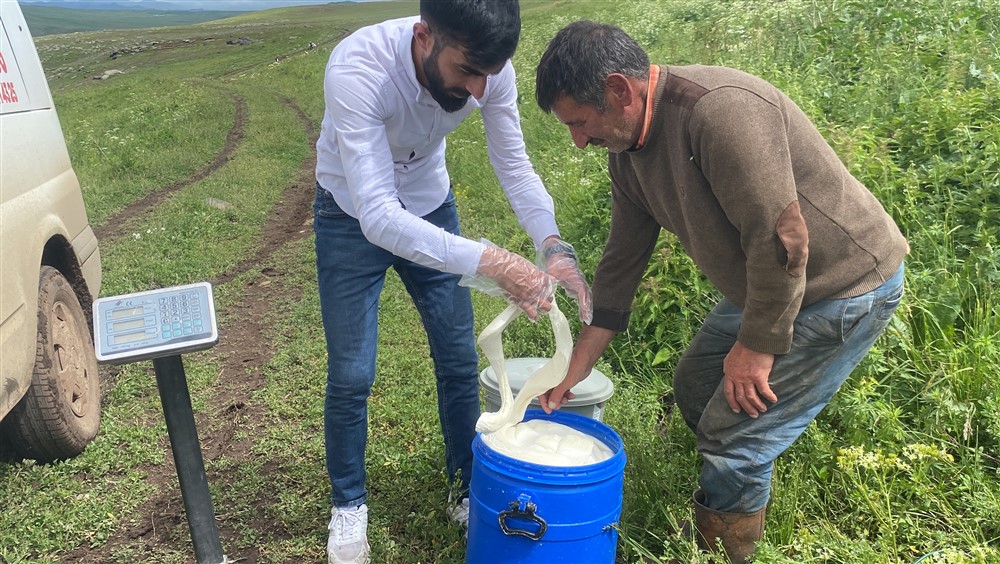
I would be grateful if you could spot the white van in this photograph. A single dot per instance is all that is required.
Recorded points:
(50, 267)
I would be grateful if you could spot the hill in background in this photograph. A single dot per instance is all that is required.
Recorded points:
(48, 20)
(145, 5)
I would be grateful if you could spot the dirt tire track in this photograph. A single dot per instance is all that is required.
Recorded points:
(118, 224)
(231, 412)
(233, 72)
(292, 212)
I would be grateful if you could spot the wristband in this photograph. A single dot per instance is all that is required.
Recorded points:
(559, 249)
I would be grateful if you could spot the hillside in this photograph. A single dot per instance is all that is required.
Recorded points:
(49, 20)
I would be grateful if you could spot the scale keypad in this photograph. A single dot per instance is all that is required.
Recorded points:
(180, 315)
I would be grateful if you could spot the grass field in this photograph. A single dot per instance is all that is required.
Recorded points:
(903, 466)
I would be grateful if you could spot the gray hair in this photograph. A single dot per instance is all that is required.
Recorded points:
(579, 59)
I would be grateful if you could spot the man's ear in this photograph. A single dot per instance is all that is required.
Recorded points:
(423, 36)
(620, 90)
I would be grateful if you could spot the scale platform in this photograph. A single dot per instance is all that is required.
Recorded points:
(155, 323)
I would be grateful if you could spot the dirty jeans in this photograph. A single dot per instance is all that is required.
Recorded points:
(830, 339)
(351, 276)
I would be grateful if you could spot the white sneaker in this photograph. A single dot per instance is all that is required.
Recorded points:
(348, 542)
(459, 512)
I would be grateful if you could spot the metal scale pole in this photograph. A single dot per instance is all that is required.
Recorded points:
(177, 411)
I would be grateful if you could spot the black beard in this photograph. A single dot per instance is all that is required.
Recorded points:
(435, 85)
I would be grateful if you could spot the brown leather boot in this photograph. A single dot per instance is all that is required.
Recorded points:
(737, 531)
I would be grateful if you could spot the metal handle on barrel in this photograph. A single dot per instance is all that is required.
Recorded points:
(522, 509)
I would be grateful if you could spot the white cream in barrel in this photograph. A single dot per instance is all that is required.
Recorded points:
(536, 441)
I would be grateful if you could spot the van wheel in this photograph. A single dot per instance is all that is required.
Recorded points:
(61, 413)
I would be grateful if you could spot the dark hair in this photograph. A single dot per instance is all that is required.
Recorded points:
(579, 59)
(487, 31)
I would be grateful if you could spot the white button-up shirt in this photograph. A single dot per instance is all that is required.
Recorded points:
(381, 151)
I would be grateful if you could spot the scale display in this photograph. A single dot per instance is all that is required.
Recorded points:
(155, 323)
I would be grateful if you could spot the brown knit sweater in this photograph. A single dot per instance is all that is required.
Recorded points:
(755, 195)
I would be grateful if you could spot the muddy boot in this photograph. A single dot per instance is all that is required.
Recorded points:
(737, 531)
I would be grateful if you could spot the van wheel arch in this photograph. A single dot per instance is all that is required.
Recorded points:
(59, 254)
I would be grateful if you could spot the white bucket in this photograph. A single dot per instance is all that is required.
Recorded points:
(591, 393)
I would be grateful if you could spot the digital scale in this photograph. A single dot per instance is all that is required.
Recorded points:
(156, 323)
(159, 325)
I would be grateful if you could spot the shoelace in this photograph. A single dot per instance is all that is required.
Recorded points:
(348, 525)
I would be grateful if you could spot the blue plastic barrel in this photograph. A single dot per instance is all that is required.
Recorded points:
(531, 513)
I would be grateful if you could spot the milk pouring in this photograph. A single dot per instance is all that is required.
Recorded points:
(540, 442)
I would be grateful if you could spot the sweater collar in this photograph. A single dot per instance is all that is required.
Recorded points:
(654, 76)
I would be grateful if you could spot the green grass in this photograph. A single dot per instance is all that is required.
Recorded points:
(905, 462)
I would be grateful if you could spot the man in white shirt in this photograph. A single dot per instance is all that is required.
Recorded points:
(393, 92)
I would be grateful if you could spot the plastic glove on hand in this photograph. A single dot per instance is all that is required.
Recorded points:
(521, 282)
(558, 258)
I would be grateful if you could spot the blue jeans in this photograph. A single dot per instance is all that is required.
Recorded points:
(351, 276)
(830, 339)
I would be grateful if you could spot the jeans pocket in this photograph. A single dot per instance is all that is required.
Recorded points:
(858, 309)
(823, 323)
(449, 201)
(325, 206)
(889, 305)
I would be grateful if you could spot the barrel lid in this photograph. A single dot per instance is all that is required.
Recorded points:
(595, 389)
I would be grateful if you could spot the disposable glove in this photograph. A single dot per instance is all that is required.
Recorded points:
(558, 259)
(503, 273)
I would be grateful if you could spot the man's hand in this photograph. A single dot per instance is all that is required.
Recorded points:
(745, 380)
(521, 282)
(559, 260)
(555, 398)
(589, 347)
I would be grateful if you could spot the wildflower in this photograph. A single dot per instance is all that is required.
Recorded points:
(918, 451)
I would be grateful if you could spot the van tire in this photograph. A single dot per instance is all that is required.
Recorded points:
(61, 413)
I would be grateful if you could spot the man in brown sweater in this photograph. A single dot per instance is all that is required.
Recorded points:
(809, 264)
